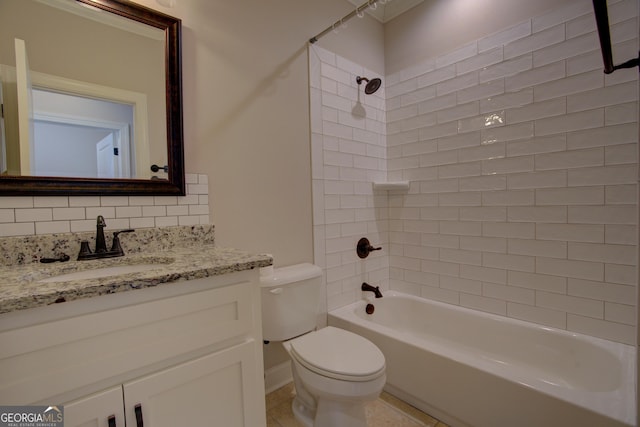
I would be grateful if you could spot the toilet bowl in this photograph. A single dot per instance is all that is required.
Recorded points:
(340, 371)
(335, 371)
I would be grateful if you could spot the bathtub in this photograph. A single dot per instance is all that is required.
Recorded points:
(473, 369)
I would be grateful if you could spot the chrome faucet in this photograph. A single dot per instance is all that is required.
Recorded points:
(375, 289)
(101, 244)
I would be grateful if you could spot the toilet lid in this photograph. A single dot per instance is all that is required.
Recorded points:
(340, 354)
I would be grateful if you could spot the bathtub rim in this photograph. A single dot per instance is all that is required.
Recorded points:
(623, 398)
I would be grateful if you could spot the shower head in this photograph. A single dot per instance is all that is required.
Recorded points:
(371, 86)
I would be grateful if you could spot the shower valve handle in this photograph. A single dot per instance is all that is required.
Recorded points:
(364, 248)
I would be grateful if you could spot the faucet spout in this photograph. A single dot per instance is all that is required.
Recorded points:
(101, 244)
(375, 289)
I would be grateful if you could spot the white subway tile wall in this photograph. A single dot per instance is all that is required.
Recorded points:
(57, 214)
(349, 152)
(522, 158)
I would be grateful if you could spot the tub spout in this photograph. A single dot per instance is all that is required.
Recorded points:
(374, 289)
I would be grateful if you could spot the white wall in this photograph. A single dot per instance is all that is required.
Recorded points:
(58, 149)
(246, 97)
(522, 158)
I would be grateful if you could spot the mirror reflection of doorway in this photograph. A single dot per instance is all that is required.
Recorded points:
(69, 108)
(68, 127)
(58, 146)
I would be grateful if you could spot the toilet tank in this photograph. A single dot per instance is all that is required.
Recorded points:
(290, 301)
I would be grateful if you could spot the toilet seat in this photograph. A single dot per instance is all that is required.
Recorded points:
(339, 354)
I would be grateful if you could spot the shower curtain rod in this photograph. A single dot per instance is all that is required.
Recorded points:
(602, 22)
(345, 18)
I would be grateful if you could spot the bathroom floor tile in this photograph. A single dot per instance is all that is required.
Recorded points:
(386, 411)
(283, 394)
(271, 422)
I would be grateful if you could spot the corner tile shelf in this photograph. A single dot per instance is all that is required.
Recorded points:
(391, 185)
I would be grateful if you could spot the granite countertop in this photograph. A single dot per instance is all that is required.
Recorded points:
(22, 285)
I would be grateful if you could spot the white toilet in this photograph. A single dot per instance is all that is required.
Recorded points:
(335, 371)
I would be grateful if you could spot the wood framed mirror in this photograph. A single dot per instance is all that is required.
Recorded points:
(168, 176)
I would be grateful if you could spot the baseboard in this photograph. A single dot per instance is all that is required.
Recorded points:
(277, 376)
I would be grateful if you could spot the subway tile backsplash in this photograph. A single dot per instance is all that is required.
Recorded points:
(522, 161)
(21, 216)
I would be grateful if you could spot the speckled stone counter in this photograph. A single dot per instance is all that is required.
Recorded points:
(177, 254)
(29, 249)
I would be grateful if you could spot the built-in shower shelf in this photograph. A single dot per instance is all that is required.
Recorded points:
(391, 185)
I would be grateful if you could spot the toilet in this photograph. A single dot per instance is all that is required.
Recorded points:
(335, 372)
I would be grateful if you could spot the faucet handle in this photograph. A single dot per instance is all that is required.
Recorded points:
(128, 230)
(85, 251)
(115, 244)
(364, 247)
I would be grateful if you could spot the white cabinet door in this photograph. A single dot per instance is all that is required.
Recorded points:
(103, 409)
(219, 389)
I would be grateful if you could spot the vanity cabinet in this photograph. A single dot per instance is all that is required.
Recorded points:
(196, 389)
(103, 409)
(189, 394)
(184, 354)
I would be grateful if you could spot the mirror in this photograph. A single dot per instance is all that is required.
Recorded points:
(125, 64)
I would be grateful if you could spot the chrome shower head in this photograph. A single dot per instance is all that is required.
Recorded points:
(371, 86)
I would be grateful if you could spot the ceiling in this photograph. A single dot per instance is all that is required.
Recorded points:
(389, 10)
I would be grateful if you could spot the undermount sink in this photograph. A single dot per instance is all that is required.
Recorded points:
(96, 273)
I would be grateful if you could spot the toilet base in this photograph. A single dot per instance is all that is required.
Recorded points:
(340, 414)
(330, 414)
(302, 413)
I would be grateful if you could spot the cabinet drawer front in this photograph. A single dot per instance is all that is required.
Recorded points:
(57, 357)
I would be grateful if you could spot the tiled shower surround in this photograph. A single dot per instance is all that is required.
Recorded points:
(522, 161)
(60, 214)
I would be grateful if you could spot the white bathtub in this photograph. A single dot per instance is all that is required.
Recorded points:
(474, 369)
